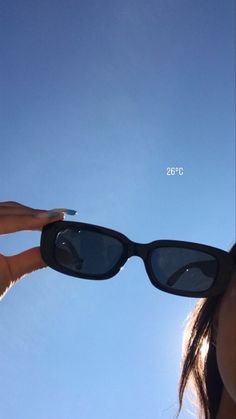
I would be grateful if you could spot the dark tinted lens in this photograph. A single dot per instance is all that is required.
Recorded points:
(87, 252)
(184, 269)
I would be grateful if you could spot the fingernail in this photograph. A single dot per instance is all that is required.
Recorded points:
(65, 210)
(54, 214)
(49, 214)
(69, 212)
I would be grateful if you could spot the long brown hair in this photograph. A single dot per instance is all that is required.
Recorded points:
(199, 363)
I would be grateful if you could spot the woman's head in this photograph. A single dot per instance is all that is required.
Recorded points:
(209, 350)
(225, 338)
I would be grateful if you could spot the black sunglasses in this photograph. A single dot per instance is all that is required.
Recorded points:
(177, 267)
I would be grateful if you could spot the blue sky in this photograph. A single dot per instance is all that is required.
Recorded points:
(98, 99)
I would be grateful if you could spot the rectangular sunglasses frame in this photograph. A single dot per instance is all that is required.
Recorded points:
(130, 248)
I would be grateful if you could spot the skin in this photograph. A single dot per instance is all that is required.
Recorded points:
(226, 350)
(17, 217)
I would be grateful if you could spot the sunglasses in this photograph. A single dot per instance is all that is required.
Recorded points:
(177, 267)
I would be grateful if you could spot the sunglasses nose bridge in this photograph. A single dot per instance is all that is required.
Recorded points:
(138, 249)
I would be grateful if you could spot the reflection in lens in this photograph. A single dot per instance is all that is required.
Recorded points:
(87, 252)
(184, 269)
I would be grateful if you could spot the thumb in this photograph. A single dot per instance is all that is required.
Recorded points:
(25, 263)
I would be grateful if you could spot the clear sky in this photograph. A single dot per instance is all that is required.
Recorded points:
(97, 100)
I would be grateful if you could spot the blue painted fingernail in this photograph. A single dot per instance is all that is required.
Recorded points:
(54, 214)
(47, 214)
(70, 212)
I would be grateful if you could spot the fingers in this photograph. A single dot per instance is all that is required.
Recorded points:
(13, 204)
(15, 267)
(17, 217)
(11, 207)
(25, 263)
(14, 223)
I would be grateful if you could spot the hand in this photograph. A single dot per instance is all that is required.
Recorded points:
(16, 217)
